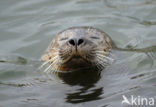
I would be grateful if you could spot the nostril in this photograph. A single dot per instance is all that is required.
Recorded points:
(72, 42)
(80, 41)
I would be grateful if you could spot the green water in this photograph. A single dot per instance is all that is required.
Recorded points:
(27, 27)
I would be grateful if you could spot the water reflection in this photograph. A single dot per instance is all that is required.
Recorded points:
(87, 80)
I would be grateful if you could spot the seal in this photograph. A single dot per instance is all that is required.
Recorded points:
(78, 47)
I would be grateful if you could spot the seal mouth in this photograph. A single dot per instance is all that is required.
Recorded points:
(76, 62)
(76, 57)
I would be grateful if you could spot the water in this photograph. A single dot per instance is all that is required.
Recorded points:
(27, 28)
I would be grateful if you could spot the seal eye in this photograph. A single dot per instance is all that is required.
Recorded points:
(63, 38)
(94, 37)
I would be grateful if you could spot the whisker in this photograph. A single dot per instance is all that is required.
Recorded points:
(64, 54)
(47, 68)
(54, 58)
(103, 52)
(52, 54)
(99, 66)
(43, 64)
(46, 62)
(50, 65)
(55, 69)
(108, 58)
(53, 49)
(101, 62)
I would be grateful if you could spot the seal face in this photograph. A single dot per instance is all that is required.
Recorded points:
(78, 47)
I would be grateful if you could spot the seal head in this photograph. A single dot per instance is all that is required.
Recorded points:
(78, 47)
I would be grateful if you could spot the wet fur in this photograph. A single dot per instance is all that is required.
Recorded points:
(95, 52)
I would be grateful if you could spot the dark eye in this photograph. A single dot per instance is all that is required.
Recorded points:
(63, 38)
(94, 37)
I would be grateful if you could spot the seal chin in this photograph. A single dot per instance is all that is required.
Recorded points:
(74, 62)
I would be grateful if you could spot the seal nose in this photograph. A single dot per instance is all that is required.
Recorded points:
(80, 41)
(76, 42)
(72, 42)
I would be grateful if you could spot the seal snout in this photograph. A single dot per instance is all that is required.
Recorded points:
(76, 42)
(77, 46)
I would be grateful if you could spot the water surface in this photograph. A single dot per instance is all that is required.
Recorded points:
(27, 27)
